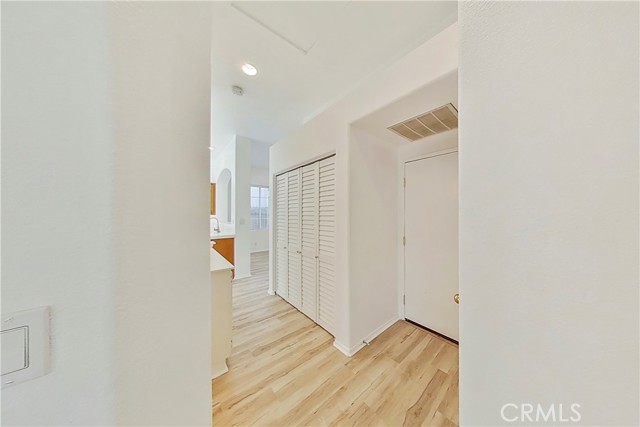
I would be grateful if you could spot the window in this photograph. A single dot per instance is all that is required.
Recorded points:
(259, 208)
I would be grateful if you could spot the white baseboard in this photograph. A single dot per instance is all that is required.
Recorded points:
(343, 348)
(381, 329)
(220, 372)
(356, 348)
(347, 351)
(270, 292)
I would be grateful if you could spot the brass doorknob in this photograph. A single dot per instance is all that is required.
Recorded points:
(456, 298)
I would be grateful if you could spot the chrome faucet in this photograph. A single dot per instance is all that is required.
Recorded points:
(217, 228)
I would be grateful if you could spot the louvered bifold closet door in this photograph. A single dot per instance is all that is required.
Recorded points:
(282, 237)
(309, 236)
(293, 244)
(327, 244)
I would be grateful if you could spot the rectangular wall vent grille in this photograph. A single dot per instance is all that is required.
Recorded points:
(435, 121)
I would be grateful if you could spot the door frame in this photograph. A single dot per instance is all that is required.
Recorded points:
(404, 205)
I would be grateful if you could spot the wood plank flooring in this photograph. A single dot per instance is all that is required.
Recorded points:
(284, 370)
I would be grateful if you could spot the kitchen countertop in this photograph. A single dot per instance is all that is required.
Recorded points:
(217, 261)
(227, 230)
(222, 234)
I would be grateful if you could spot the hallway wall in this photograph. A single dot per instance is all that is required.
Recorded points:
(57, 191)
(329, 132)
(259, 238)
(549, 130)
(243, 210)
(105, 175)
(161, 88)
(372, 234)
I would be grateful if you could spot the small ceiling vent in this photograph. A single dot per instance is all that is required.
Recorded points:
(435, 121)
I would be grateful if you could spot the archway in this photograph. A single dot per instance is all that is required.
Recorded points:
(223, 196)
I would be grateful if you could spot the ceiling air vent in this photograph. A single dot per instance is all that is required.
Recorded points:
(435, 121)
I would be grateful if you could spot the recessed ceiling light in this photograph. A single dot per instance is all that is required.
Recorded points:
(249, 70)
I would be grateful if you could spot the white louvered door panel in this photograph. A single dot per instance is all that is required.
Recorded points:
(309, 239)
(294, 244)
(326, 244)
(282, 237)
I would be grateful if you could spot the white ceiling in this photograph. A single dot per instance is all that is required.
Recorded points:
(344, 42)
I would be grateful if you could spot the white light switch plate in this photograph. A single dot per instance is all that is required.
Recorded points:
(14, 349)
(25, 345)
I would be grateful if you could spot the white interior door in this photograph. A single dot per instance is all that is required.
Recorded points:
(431, 245)
(305, 240)
(309, 239)
(293, 242)
(282, 237)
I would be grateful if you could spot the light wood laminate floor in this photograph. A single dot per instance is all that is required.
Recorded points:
(284, 370)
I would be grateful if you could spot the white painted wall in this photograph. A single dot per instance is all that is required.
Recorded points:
(549, 209)
(373, 235)
(329, 133)
(260, 155)
(439, 92)
(224, 197)
(57, 195)
(236, 157)
(221, 160)
(243, 210)
(259, 240)
(161, 92)
(105, 134)
(260, 177)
